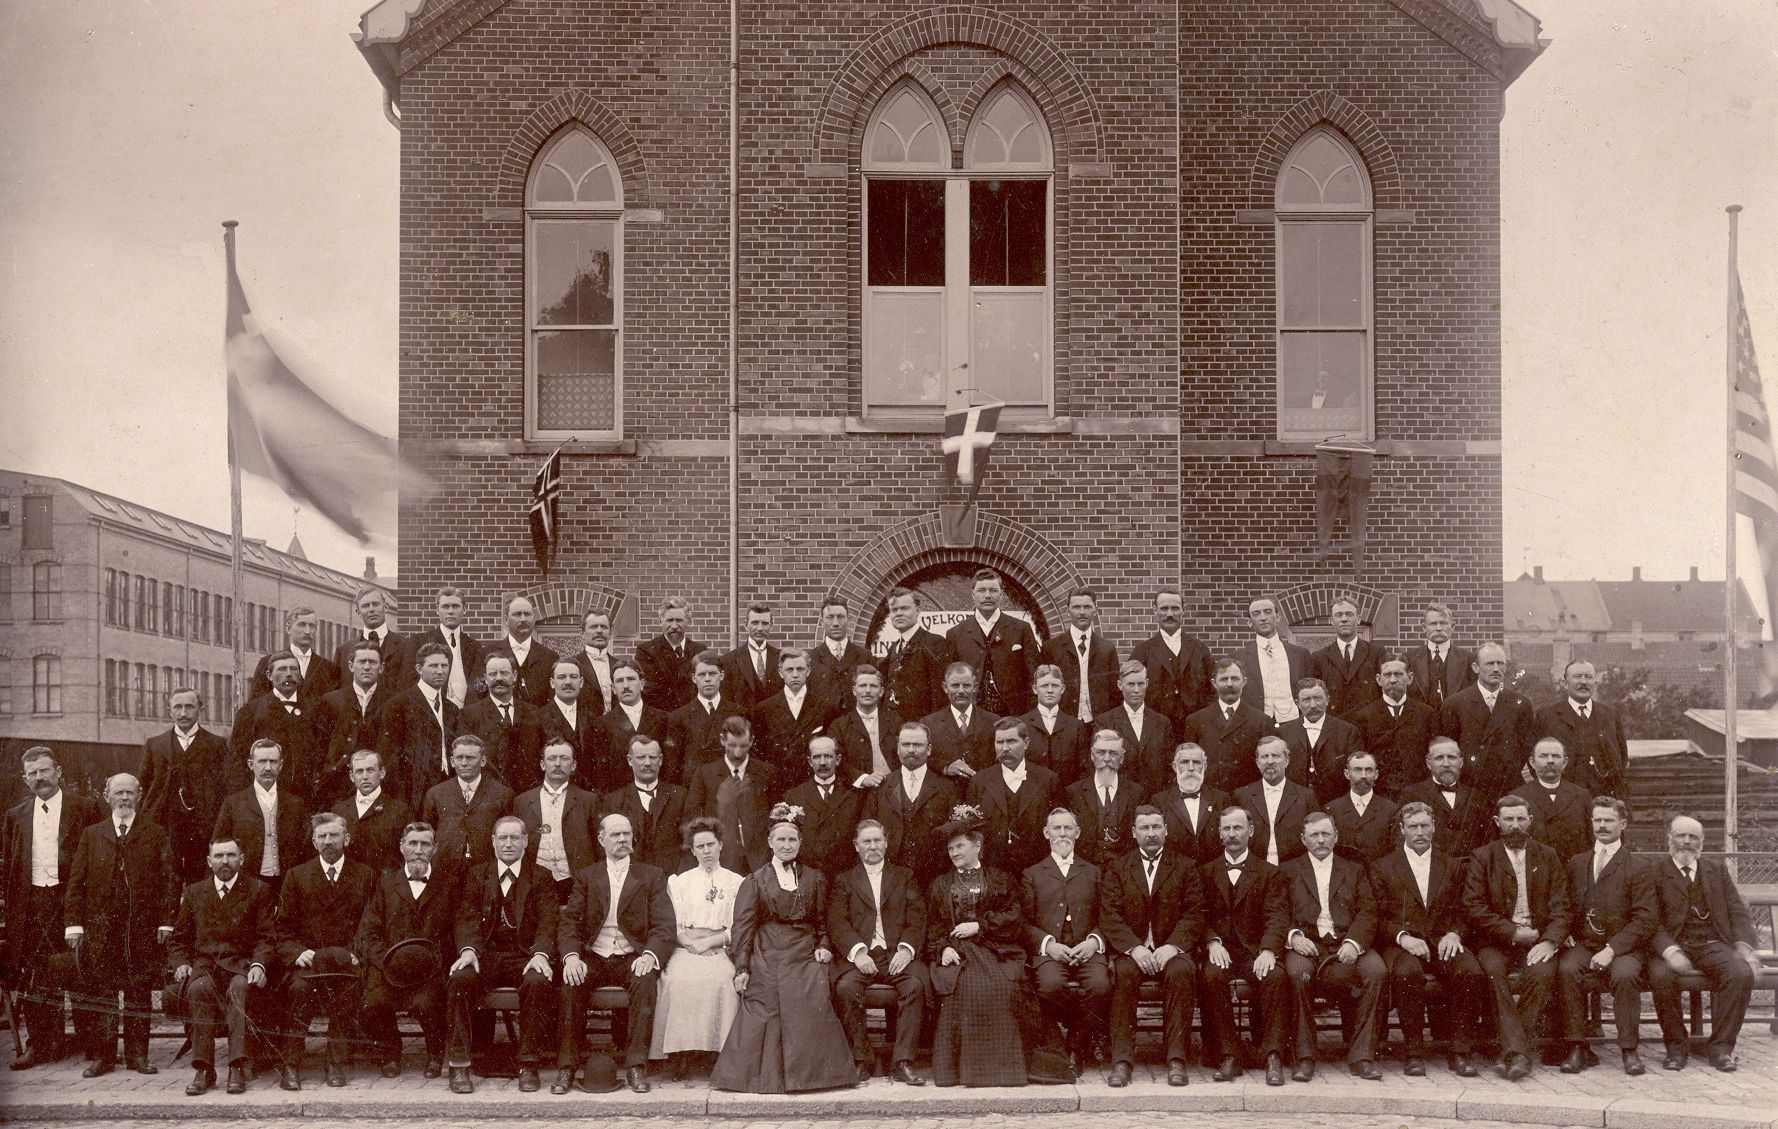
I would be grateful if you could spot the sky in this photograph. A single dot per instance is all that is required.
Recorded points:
(132, 128)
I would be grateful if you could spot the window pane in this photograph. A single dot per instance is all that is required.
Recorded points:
(1321, 172)
(908, 133)
(1007, 224)
(572, 277)
(907, 233)
(576, 380)
(906, 362)
(1008, 346)
(1006, 132)
(1320, 384)
(39, 510)
(1321, 275)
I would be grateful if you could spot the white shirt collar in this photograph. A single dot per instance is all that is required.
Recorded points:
(518, 648)
(1237, 863)
(365, 803)
(634, 713)
(221, 885)
(962, 717)
(795, 697)
(1576, 706)
(617, 867)
(267, 796)
(1359, 803)
(1062, 864)
(1317, 724)
(185, 736)
(570, 710)
(1079, 635)
(914, 776)
(428, 693)
(1137, 712)
(1015, 775)
(1273, 789)
(1395, 703)
(1174, 641)
(292, 700)
(987, 625)
(1048, 713)
(1322, 866)
(874, 871)
(1609, 850)
(599, 656)
(555, 793)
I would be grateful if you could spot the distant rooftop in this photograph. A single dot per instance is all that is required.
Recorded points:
(1535, 604)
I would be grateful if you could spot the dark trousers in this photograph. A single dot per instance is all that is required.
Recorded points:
(1270, 999)
(336, 997)
(1461, 977)
(1075, 996)
(46, 969)
(537, 1002)
(211, 1006)
(1731, 985)
(1537, 988)
(138, 1005)
(425, 1003)
(912, 989)
(1576, 978)
(609, 972)
(1326, 977)
(1178, 982)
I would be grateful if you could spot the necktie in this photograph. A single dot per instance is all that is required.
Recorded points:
(1268, 648)
(506, 716)
(894, 653)
(1586, 710)
(444, 750)
(647, 797)
(1394, 712)
(759, 664)
(1346, 650)
(46, 807)
(333, 873)
(370, 637)
(420, 878)
(458, 686)
(1688, 874)
(826, 791)
(123, 829)
(290, 708)
(1083, 646)
(223, 893)
(1105, 796)
(505, 883)
(1149, 865)
(1598, 863)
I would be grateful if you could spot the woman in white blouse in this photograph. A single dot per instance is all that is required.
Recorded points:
(697, 999)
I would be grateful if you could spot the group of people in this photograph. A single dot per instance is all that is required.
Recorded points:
(1013, 837)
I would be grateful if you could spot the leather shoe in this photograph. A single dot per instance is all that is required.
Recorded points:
(201, 1081)
(1518, 1067)
(1633, 1063)
(289, 1079)
(862, 1076)
(637, 1077)
(461, 1083)
(336, 1075)
(1676, 1058)
(1462, 1066)
(142, 1066)
(1119, 1076)
(903, 1071)
(1588, 1055)
(434, 1067)
(1176, 1074)
(1274, 1070)
(529, 1082)
(1227, 1071)
(237, 1078)
(1414, 1067)
(390, 1069)
(1723, 1060)
(1367, 1070)
(1575, 1062)
(98, 1067)
(564, 1081)
(1305, 1070)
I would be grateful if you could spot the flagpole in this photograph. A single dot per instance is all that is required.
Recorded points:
(1731, 751)
(234, 516)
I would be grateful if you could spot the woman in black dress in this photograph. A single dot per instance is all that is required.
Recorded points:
(990, 1029)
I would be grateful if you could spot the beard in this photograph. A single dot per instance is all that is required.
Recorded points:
(1515, 839)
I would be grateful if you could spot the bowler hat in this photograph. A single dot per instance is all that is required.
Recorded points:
(599, 1075)
(410, 963)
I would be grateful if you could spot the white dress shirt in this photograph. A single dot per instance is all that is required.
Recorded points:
(1421, 866)
(1274, 674)
(520, 651)
(600, 661)
(365, 803)
(795, 699)
(611, 941)
(552, 854)
(46, 844)
(1014, 777)
(268, 810)
(912, 780)
(1274, 795)
(1173, 642)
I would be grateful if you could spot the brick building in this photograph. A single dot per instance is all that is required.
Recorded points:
(1182, 241)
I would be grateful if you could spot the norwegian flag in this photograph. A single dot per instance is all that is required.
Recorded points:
(546, 493)
(969, 432)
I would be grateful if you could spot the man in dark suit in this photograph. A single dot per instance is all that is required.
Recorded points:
(1440, 668)
(1460, 813)
(631, 898)
(1015, 797)
(784, 720)
(220, 948)
(319, 907)
(864, 735)
(1061, 903)
(1151, 912)
(1701, 925)
(268, 821)
(833, 659)
(182, 774)
(1611, 921)
(1333, 920)
(465, 650)
(317, 675)
(913, 804)
(122, 897)
(1000, 648)
(414, 905)
(282, 716)
(347, 720)
(594, 659)
(1348, 665)
(1086, 659)
(1228, 730)
(654, 807)
(372, 609)
(1318, 742)
(532, 660)
(1515, 893)
(962, 732)
(416, 728)
(1277, 804)
(1364, 818)
(627, 718)
(508, 725)
(1272, 666)
(462, 810)
(373, 818)
(572, 716)
(1060, 741)
(876, 922)
(560, 820)
(1104, 804)
(1247, 909)
(1560, 809)
(1494, 724)
(737, 791)
(666, 659)
(1419, 894)
(505, 936)
(750, 671)
(1147, 734)
(1190, 807)
(1396, 728)
(831, 810)
(694, 729)
(1179, 666)
(1591, 731)
(914, 661)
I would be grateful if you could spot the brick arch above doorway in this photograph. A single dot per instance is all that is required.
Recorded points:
(554, 598)
(1008, 546)
(1310, 603)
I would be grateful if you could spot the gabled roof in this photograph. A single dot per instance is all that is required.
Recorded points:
(1672, 605)
(1554, 605)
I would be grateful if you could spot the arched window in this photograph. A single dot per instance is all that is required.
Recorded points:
(957, 288)
(46, 684)
(1325, 308)
(574, 290)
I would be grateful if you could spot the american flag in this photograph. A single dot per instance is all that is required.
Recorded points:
(1756, 467)
(546, 493)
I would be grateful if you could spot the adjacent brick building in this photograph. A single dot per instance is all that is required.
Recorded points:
(1183, 240)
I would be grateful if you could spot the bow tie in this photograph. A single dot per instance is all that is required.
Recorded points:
(420, 878)
(1190, 795)
(972, 873)
(1233, 866)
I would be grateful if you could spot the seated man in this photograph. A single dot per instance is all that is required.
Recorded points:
(221, 946)
(1333, 919)
(1701, 925)
(1061, 901)
(1515, 894)
(319, 908)
(407, 927)
(1152, 913)
(1247, 910)
(505, 936)
(876, 920)
(1612, 920)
